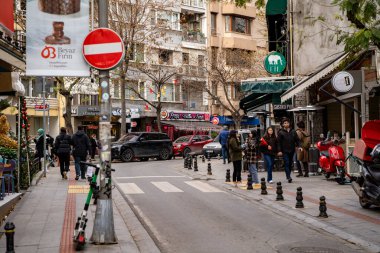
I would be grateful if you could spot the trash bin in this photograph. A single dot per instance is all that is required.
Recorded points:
(313, 160)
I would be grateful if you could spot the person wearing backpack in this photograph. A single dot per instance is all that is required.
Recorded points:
(62, 148)
(81, 149)
(303, 150)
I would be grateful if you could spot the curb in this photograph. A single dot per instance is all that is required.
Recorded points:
(142, 236)
(37, 177)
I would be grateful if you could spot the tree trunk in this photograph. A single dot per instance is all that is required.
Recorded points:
(158, 115)
(67, 115)
(237, 120)
(123, 129)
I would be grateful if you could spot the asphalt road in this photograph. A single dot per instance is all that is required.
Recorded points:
(190, 216)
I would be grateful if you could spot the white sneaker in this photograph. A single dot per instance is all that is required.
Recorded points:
(271, 182)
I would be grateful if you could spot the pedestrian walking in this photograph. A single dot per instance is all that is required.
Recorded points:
(236, 156)
(223, 140)
(94, 145)
(287, 142)
(303, 150)
(39, 152)
(268, 146)
(62, 148)
(251, 155)
(81, 149)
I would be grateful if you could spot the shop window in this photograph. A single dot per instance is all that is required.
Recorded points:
(238, 24)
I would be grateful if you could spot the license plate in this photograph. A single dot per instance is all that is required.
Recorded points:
(209, 151)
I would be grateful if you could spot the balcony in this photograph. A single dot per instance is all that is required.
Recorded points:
(194, 5)
(194, 37)
(193, 71)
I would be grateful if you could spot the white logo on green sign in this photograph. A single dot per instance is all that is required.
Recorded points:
(274, 63)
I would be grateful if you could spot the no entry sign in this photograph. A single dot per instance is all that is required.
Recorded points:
(103, 49)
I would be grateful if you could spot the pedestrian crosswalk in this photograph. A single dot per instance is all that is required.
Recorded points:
(166, 187)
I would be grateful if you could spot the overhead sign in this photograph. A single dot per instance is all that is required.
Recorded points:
(56, 30)
(103, 49)
(343, 81)
(274, 63)
(185, 115)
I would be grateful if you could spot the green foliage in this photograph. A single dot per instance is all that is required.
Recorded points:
(8, 153)
(363, 14)
(4, 104)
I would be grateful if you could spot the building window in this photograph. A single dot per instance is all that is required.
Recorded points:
(185, 58)
(165, 19)
(116, 89)
(214, 57)
(238, 24)
(85, 99)
(213, 23)
(129, 93)
(94, 99)
(165, 57)
(136, 53)
(201, 60)
(167, 92)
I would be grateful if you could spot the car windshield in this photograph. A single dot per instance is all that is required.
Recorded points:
(183, 139)
(128, 137)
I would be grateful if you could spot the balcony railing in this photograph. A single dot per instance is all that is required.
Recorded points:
(14, 42)
(194, 3)
(194, 36)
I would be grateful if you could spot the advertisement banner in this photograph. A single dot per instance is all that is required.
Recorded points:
(55, 33)
(6, 16)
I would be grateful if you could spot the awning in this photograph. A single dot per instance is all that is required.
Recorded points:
(263, 91)
(319, 73)
(193, 125)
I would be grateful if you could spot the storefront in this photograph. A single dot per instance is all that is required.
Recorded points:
(180, 123)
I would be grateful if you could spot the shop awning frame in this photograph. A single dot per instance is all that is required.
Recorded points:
(314, 77)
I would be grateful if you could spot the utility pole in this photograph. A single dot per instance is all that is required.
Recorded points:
(104, 230)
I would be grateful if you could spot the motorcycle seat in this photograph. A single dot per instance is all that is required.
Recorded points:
(325, 153)
(374, 169)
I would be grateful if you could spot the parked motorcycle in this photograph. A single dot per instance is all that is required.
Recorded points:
(367, 155)
(332, 159)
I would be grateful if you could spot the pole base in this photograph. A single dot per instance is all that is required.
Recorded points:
(104, 230)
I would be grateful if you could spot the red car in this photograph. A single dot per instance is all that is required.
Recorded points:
(190, 143)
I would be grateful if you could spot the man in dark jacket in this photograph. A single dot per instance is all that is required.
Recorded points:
(287, 143)
(62, 147)
(223, 140)
(81, 149)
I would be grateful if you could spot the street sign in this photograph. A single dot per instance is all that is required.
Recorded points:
(343, 81)
(274, 63)
(103, 49)
(41, 107)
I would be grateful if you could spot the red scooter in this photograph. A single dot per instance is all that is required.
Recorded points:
(332, 159)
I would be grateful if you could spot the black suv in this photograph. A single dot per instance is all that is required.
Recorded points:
(142, 145)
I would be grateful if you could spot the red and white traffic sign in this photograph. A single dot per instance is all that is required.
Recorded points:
(103, 49)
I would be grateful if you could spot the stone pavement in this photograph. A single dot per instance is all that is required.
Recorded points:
(347, 219)
(46, 215)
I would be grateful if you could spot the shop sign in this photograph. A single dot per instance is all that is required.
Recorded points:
(41, 107)
(215, 121)
(343, 82)
(227, 120)
(274, 63)
(282, 107)
(173, 115)
(92, 127)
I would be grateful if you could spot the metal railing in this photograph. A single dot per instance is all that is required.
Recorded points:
(194, 36)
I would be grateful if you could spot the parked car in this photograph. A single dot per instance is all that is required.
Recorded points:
(142, 145)
(214, 148)
(190, 143)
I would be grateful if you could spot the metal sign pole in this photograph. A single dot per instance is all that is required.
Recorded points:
(44, 124)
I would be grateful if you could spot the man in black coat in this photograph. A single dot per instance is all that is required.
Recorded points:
(287, 140)
(81, 149)
(62, 147)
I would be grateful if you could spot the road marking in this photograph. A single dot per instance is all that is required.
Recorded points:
(166, 187)
(149, 177)
(130, 188)
(203, 187)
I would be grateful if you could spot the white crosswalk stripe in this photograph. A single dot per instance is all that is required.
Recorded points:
(166, 187)
(203, 187)
(130, 188)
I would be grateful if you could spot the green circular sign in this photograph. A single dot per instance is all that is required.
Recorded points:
(274, 63)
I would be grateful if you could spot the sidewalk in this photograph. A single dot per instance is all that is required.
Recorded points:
(46, 215)
(347, 219)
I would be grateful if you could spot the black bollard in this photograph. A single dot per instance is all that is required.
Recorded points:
(209, 171)
(249, 182)
(279, 192)
(190, 163)
(263, 187)
(203, 159)
(195, 163)
(299, 198)
(228, 176)
(185, 162)
(322, 207)
(208, 157)
(10, 233)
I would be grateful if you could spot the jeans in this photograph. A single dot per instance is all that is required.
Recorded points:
(80, 169)
(288, 160)
(253, 171)
(224, 153)
(64, 163)
(236, 175)
(269, 161)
